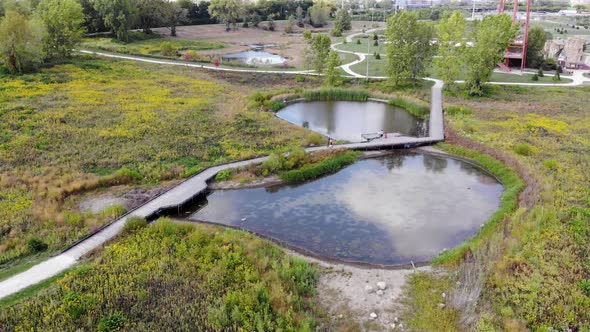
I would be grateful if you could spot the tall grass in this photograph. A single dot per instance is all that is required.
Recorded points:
(336, 94)
(412, 107)
(326, 166)
(513, 185)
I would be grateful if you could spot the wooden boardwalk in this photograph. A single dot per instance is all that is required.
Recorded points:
(192, 187)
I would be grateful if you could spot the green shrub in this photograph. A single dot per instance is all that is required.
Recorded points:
(328, 165)
(377, 56)
(550, 163)
(125, 176)
(540, 72)
(556, 77)
(113, 322)
(336, 33)
(535, 77)
(410, 106)
(524, 149)
(223, 175)
(299, 78)
(36, 245)
(167, 49)
(113, 211)
(314, 139)
(134, 223)
(336, 94)
(272, 165)
(297, 157)
(358, 41)
(376, 43)
(585, 286)
(275, 105)
(458, 110)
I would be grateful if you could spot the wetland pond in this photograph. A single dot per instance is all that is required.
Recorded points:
(388, 210)
(348, 120)
(256, 58)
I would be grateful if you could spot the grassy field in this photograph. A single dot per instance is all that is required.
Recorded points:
(91, 124)
(222, 280)
(142, 44)
(523, 269)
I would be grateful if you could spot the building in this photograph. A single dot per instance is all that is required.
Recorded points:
(569, 53)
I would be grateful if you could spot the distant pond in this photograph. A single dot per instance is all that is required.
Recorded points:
(348, 120)
(388, 210)
(256, 58)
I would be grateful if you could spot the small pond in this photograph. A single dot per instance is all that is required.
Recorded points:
(387, 210)
(256, 58)
(348, 120)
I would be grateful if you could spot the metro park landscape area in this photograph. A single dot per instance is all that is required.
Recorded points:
(294, 165)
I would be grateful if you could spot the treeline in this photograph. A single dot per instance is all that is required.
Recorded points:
(410, 49)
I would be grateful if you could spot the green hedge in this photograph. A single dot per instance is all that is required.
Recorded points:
(328, 165)
(513, 185)
(410, 106)
(336, 94)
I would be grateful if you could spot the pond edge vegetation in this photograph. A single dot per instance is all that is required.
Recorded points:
(277, 100)
(513, 186)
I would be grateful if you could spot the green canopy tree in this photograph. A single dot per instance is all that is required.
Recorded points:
(332, 76)
(227, 11)
(343, 20)
(20, 42)
(319, 14)
(318, 48)
(150, 13)
(536, 42)
(63, 21)
(409, 51)
(450, 33)
(490, 38)
(118, 15)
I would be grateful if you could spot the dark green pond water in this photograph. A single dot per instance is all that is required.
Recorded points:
(348, 120)
(388, 210)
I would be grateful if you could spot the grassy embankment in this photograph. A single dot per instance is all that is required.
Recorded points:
(205, 277)
(528, 269)
(91, 124)
(295, 166)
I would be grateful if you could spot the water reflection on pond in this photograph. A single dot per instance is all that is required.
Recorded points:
(347, 120)
(256, 58)
(387, 210)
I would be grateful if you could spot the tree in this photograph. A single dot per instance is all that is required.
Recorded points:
(332, 77)
(118, 16)
(227, 11)
(319, 14)
(20, 42)
(300, 16)
(490, 38)
(343, 20)
(174, 15)
(318, 50)
(93, 22)
(536, 42)
(409, 50)
(63, 26)
(150, 13)
(450, 47)
(290, 24)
